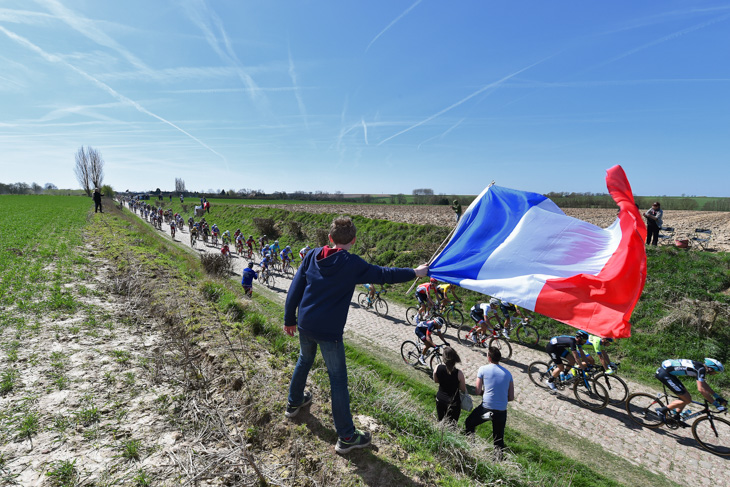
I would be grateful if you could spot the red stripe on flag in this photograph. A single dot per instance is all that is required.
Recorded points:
(602, 304)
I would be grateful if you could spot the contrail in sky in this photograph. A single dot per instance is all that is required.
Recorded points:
(56, 59)
(464, 100)
(407, 11)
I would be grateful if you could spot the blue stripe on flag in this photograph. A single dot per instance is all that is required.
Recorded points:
(485, 225)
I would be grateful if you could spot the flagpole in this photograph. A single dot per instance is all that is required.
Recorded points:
(439, 248)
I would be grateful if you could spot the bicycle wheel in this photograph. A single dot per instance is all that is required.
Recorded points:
(454, 317)
(503, 345)
(463, 334)
(362, 300)
(435, 361)
(271, 282)
(381, 307)
(593, 395)
(616, 387)
(713, 434)
(410, 352)
(539, 373)
(289, 272)
(411, 315)
(642, 409)
(527, 335)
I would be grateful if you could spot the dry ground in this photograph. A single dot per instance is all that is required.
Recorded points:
(685, 222)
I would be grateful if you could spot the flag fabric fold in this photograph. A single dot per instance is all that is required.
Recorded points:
(522, 248)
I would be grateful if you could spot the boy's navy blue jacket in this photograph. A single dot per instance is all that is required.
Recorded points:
(322, 289)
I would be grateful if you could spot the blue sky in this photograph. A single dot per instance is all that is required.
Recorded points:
(368, 96)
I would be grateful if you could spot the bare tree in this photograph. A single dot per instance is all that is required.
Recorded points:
(82, 170)
(89, 168)
(97, 167)
(179, 185)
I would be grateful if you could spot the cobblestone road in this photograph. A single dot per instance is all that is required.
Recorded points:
(674, 454)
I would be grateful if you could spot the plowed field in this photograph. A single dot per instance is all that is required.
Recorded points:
(684, 222)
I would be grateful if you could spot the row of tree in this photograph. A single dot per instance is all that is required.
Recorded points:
(25, 188)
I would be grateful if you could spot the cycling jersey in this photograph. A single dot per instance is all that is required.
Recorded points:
(265, 263)
(442, 289)
(248, 276)
(303, 252)
(425, 328)
(560, 346)
(594, 342)
(506, 309)
(481, 311)
(681, 367)
(274, 248)
(424, 288)
(249, 242)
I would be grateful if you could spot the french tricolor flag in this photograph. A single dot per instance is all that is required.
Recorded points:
(522, 248)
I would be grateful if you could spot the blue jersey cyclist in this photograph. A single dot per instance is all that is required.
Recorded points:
(247, 279)
(565, 348)
(424, 330)
(286, 255)
(214, 229)
(274, 247)
(265, 263)
(671, 370)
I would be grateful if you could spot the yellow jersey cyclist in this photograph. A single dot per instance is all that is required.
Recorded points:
(669, 373)
(442, 294)
(565, 348)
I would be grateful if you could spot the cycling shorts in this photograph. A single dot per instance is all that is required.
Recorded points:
(557, 353)
(477, 315)
(421, 333)
(422, 298)
(672, 382)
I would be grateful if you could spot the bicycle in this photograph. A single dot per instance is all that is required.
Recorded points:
(411, 351)
(267, 278)
(472, 336)
(452, 314)
(378, 303)
(288, 270)
(172, 230)
(526, 333)
(589, 393)
(193, 239)
(615, 386)
(709, 430)
(214, 238)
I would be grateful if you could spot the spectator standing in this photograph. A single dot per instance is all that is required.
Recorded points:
(457, 209)
(97, 201)
(247, 279)
(317, 305)
(450, 380)
(653, 223)
(497, 388)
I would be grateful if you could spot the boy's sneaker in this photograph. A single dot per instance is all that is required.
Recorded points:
(360, 439)
(292, 411)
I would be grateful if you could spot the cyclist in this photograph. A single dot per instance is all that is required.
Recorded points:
(275, 249)
(423, 295)
(568, 348)
(239, 243)
(263, 241)
(371, 293)
(247, 281)
(227, 237)
(250, 242)
(237, 233)
(265, 264)
(506, 309)
(442, 294)
(480, 314)
(214, 230)
(225, 250)
(173, 225)
(597, 343)
(424, 330)
(668, 375)
(304, 251)
(286, 256)
(191, 221)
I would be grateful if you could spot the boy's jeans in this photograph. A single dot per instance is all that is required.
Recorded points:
(333, 354)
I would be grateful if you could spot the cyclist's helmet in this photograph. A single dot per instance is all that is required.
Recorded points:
(494, 302)
(288, 247)
(307, 247)
(250, 236)
(440, 321)
(433, 281)
(713, 364)
(582, 335)
(276, 242)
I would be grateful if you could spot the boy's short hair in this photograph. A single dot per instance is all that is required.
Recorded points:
(342, 230)
(494, 354)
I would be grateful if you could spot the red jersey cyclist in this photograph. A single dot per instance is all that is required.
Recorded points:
(423, 295)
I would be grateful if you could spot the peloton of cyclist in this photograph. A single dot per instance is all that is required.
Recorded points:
(423, 295)
(568, 348)
(424, 330)
(597, 343)
(669, 373)
(480, 314)
(304, 252)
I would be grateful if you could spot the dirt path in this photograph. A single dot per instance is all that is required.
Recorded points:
(674, 454)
